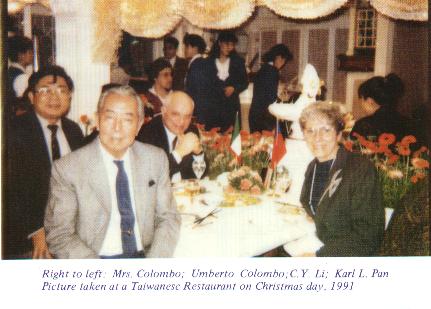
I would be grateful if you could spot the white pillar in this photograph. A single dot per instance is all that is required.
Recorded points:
(27, 21)
(384, 45)
(74, 40)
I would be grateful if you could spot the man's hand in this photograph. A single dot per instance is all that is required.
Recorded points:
(187, 144)
(228, 91)
(40, 248)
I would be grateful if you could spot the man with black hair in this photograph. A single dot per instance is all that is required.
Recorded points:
(20, 53)
(21, 57)
(179, 65)
(197, 82)
(34, 140)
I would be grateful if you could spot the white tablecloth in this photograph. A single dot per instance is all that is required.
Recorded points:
(240, 231)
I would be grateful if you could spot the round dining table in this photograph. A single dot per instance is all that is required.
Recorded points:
(216, 224)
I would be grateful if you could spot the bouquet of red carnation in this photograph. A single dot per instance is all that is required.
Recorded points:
(398, 166)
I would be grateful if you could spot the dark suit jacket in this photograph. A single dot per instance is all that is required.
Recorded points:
(154, 133)
(179, 73)
(264, 93)
(28, 173)
(223, 109)
(198, 86)
(350, 217)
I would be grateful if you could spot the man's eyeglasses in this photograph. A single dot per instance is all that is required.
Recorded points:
(60, 91)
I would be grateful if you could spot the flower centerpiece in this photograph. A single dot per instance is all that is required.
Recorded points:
(244, 180)
(399, 167)
(255, 150)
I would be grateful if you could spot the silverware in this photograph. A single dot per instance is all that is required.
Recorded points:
(210, 214)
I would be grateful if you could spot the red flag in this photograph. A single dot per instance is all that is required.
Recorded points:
(278, 149)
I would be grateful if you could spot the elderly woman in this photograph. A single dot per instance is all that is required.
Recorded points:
(341, 191)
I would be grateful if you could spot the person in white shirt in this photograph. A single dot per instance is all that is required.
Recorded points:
(20, 53)
(178, 137)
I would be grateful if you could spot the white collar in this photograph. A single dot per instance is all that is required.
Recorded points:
(107, 157)
(194, 58)
(17, 65)
(44, 122)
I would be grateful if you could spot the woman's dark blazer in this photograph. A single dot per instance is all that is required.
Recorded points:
(223, 109)
(265, 90)
(350, 216)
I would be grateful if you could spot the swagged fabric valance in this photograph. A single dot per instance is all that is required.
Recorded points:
(156, 18)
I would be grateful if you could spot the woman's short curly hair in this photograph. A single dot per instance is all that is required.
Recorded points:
(327, 110)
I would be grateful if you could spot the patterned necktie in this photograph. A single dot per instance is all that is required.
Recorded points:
(55, 147)
(126, 212)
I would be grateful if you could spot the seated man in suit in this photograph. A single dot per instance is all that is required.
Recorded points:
(179, 65)
(112, 198)
(34, 140)
(174, 133)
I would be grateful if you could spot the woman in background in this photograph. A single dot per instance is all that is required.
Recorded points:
(265, 88)
(228, 76)
(379, 97)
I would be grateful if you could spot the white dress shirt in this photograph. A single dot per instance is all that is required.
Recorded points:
(172, 61)
(112, 244)
(20, 83)
(222, 68)
(164, 100)
(171, 136)
(61, 137)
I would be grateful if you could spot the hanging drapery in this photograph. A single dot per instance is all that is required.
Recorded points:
(107, 30)
(304, 9)
(402, 9)
(150, 19)
(217, 14)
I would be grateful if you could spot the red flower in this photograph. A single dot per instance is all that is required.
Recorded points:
(403, 149)
(370, 146)
(418, 152)
(383, 148)
(393, 159)
(245, 184)
(348, 145)
(386, 138)
(420, 163)
(215, 130)
(407, 140)
(84, 119)
(414, 179)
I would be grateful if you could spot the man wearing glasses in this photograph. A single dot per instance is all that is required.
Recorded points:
(34, 141)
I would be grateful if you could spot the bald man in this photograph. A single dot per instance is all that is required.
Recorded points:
(178, 137)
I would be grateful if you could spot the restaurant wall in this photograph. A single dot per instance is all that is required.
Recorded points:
(410, 62)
